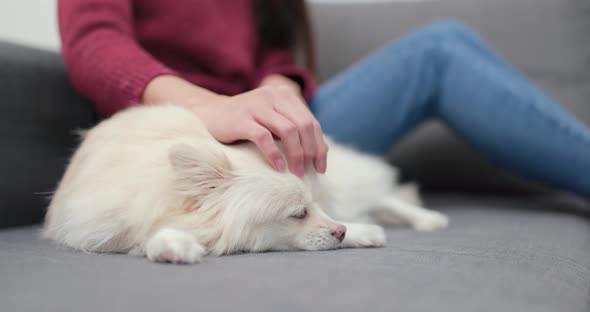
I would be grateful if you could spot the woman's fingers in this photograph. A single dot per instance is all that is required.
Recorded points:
(263, 139)
(279, 111)
(320, 162)
(310, 132)
(287, 132)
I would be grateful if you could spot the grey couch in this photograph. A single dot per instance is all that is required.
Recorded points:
(512, 245)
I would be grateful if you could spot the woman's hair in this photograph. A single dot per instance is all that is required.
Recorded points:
(285, 24)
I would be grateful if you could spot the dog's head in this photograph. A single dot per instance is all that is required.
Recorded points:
(251, 207)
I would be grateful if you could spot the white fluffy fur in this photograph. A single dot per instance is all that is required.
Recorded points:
(152, 181)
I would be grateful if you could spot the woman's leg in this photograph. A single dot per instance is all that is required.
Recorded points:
(444, 70)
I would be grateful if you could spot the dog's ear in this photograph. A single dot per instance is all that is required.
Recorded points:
(199, 171)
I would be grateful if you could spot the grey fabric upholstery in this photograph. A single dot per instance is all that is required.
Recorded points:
(38, 114)
(498, 255)
(546, 39)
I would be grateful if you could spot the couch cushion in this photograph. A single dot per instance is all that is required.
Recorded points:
(546, 39)
(498, 255)
(38, 115)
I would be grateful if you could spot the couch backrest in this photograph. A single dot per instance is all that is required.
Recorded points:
(39, 112)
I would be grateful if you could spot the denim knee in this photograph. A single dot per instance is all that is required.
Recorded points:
(451, 31)
(445, 40)
(437, 38)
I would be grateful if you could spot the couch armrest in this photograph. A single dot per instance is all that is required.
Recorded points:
(38, 113)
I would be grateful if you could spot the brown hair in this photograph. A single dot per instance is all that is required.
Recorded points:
(285, 24)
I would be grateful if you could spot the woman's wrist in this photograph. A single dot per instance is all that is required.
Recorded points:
(280, 80)
(172, 89)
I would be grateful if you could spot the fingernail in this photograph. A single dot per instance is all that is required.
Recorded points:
(300, 170)
(321, 168)
(279, 164)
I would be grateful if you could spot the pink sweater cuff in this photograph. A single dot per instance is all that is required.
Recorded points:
(129, 82)
(111, 70)
(133, 81)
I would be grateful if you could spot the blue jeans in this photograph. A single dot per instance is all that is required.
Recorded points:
(446, 71)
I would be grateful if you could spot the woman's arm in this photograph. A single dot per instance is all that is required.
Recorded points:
(103, 59)
(172, 89)
(106, 64)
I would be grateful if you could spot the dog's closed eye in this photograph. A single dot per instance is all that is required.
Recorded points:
(300, 215)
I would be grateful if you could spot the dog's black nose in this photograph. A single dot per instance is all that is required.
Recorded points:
(339, 232)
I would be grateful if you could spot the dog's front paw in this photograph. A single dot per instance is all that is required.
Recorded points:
(430, 221)
(363, 236)
(173, 246)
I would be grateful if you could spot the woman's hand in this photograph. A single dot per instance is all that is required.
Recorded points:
(275, 109)
(270, 110)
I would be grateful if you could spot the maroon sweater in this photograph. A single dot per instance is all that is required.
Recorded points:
(113, 48)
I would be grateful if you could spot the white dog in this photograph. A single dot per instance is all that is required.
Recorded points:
(152, 181)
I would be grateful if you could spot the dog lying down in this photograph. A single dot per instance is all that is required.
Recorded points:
(151, 181)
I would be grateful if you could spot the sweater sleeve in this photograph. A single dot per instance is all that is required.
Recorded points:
(103, 59)
(273, 61)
